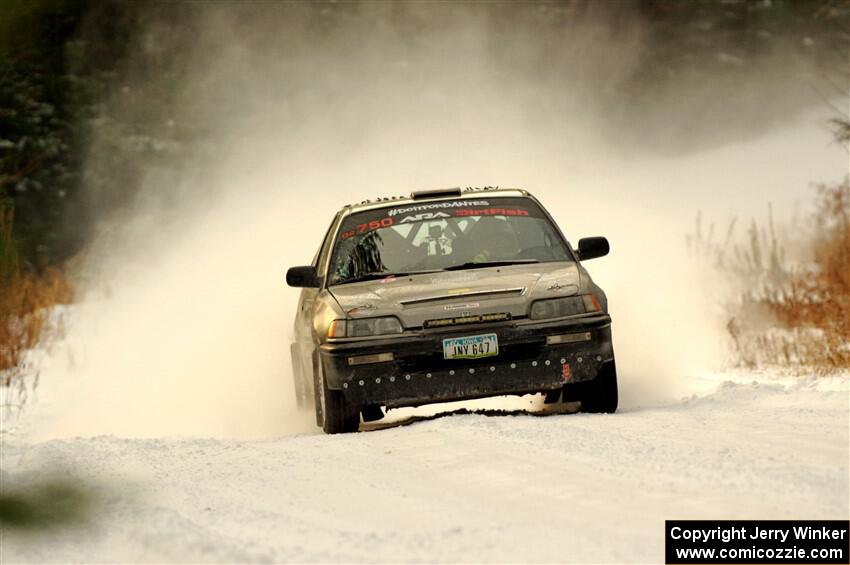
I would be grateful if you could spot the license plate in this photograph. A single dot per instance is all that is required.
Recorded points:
(471, 347)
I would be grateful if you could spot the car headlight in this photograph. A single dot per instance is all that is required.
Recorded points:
(561, 307)
(365, 327)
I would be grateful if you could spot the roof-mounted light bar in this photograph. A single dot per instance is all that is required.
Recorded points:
(424, 194)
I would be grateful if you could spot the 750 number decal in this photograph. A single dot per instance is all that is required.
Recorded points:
(370, 226)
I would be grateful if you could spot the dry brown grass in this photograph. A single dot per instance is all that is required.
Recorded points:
(789, 311)
(26, 297)
(819, 299)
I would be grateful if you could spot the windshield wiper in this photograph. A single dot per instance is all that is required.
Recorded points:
(484, 264)
(375, 276)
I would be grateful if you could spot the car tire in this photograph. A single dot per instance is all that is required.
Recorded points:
(600, 394)
(333, 413)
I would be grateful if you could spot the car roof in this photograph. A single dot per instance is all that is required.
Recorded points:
(468, 193)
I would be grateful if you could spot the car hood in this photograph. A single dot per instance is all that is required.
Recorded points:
(429, 296)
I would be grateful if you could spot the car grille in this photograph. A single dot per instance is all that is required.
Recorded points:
(465, 320)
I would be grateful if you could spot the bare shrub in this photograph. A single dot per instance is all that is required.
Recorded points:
(26, 298)
(788, 309)
(819, 297)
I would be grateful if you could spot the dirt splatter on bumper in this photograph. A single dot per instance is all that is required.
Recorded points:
(418, 374)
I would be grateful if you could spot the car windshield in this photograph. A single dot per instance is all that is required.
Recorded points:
(447, 234)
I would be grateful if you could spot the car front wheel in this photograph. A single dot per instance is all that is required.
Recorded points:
(333, 412)
(600, 394)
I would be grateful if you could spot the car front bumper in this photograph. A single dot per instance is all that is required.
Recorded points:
(418, 373)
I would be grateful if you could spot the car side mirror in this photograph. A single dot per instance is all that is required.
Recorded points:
(592, 247)
(303, 277)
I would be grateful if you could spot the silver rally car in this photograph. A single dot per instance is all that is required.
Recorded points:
(448, 295)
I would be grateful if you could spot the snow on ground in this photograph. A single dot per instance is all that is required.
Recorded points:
(566, 487)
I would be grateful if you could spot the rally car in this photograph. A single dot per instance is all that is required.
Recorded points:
(448, 295)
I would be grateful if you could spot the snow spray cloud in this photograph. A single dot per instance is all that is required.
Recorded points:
(186, 321)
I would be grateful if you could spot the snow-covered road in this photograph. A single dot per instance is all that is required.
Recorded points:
(465, 487)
